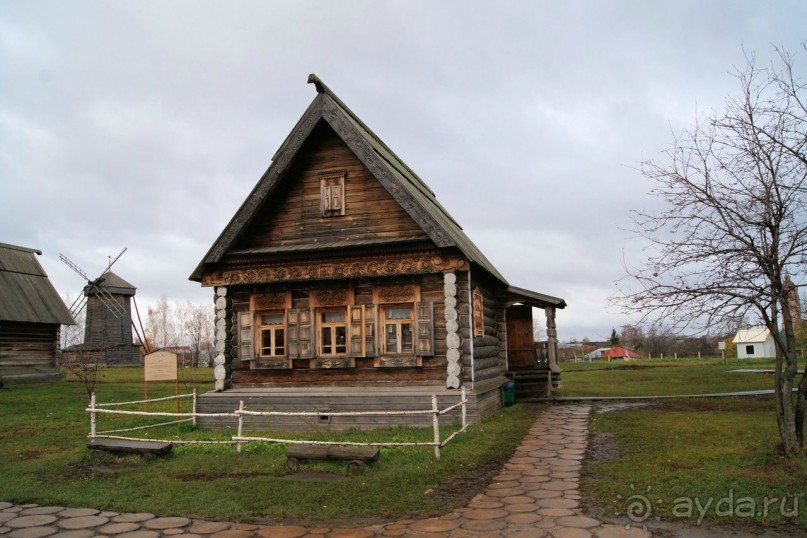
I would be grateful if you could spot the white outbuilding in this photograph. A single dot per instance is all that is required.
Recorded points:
(754, 343)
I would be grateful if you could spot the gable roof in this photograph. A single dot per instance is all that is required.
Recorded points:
(397, 178)
(751, 335)
(26, 293)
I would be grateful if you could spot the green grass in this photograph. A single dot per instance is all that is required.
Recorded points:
(44, 460)
(663, 377)
(677, 453)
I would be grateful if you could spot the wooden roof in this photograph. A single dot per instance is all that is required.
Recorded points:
(26, 293)
(112, 283)
(397, 178)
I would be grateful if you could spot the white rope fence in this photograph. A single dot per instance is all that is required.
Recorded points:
(96, 408)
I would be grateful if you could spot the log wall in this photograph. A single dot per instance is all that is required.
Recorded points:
(365, 372)
(28, 345)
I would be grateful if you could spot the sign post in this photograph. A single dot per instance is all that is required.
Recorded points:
(161, 366)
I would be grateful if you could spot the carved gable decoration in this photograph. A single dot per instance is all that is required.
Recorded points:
(331, 297)
(270, 301)
(479, 310)
(396, 294)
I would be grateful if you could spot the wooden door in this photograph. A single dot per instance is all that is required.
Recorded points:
(520, 352)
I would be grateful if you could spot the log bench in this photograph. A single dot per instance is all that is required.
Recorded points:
(131, 447)
(356, 456)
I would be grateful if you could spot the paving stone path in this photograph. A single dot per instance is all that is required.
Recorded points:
(536, 494)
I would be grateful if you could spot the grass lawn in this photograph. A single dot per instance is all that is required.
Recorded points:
(689, 460)
(44, 460)
(664, 377)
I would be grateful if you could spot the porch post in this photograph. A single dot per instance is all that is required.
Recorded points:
(551, 340)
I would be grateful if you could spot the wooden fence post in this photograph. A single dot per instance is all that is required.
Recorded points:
(194, 407)
(464, 411)
(240, 425)
(436, 426)
(92, 416)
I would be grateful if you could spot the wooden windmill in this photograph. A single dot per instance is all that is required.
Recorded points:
(108, 326)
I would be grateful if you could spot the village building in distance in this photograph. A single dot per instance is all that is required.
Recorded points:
(341, 283)
(31, 316)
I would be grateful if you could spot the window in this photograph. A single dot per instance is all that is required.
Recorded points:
(271, 334)
(398, 332)
(749, 350)
(332, 195)
(333, 333)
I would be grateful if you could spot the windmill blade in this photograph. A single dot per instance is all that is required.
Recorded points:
(108, 300)
(74, 267)
(78, 305)
(116, 258)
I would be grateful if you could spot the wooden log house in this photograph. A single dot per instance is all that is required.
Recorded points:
(31, 316)
(342, 283)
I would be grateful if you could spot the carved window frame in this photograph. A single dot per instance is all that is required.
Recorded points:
(272, 329)
(422, 325)
(398, 323)
(261, 304)
(332, 327)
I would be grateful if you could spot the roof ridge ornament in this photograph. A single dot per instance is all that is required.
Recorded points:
(318, 84)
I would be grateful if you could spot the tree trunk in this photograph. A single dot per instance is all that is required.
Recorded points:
(791, 410)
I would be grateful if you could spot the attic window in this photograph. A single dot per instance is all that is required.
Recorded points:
(332, 194)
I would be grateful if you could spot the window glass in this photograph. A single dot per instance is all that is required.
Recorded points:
(399, 313)
(406, 338)
(333, 317)
(272, 319)
(392, 338)
(749, 350)
(341, 339)
(327, 341)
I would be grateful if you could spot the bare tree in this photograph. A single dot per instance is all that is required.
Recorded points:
(199, 325)
(87, 364)
(632, 336)
(734, 226)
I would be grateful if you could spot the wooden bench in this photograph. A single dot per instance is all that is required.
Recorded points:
(131, 447)
(356, 456)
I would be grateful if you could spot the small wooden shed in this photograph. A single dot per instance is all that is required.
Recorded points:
(342, 283)
(31, 316)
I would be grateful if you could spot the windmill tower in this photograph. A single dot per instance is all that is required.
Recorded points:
(108, 325)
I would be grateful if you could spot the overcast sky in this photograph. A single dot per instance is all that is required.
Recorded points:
(146, 124)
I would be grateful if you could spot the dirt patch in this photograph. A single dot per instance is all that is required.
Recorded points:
(203, 477)
(100, 469)
(620, 406)
(460, 490)
(602, 447)
(313, 476)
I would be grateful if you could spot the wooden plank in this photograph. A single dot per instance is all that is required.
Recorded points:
(130, 447)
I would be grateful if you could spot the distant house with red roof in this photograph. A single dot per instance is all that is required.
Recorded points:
(619, 353)
(609, 353)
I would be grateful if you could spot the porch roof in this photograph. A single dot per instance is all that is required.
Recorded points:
(513, 295)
